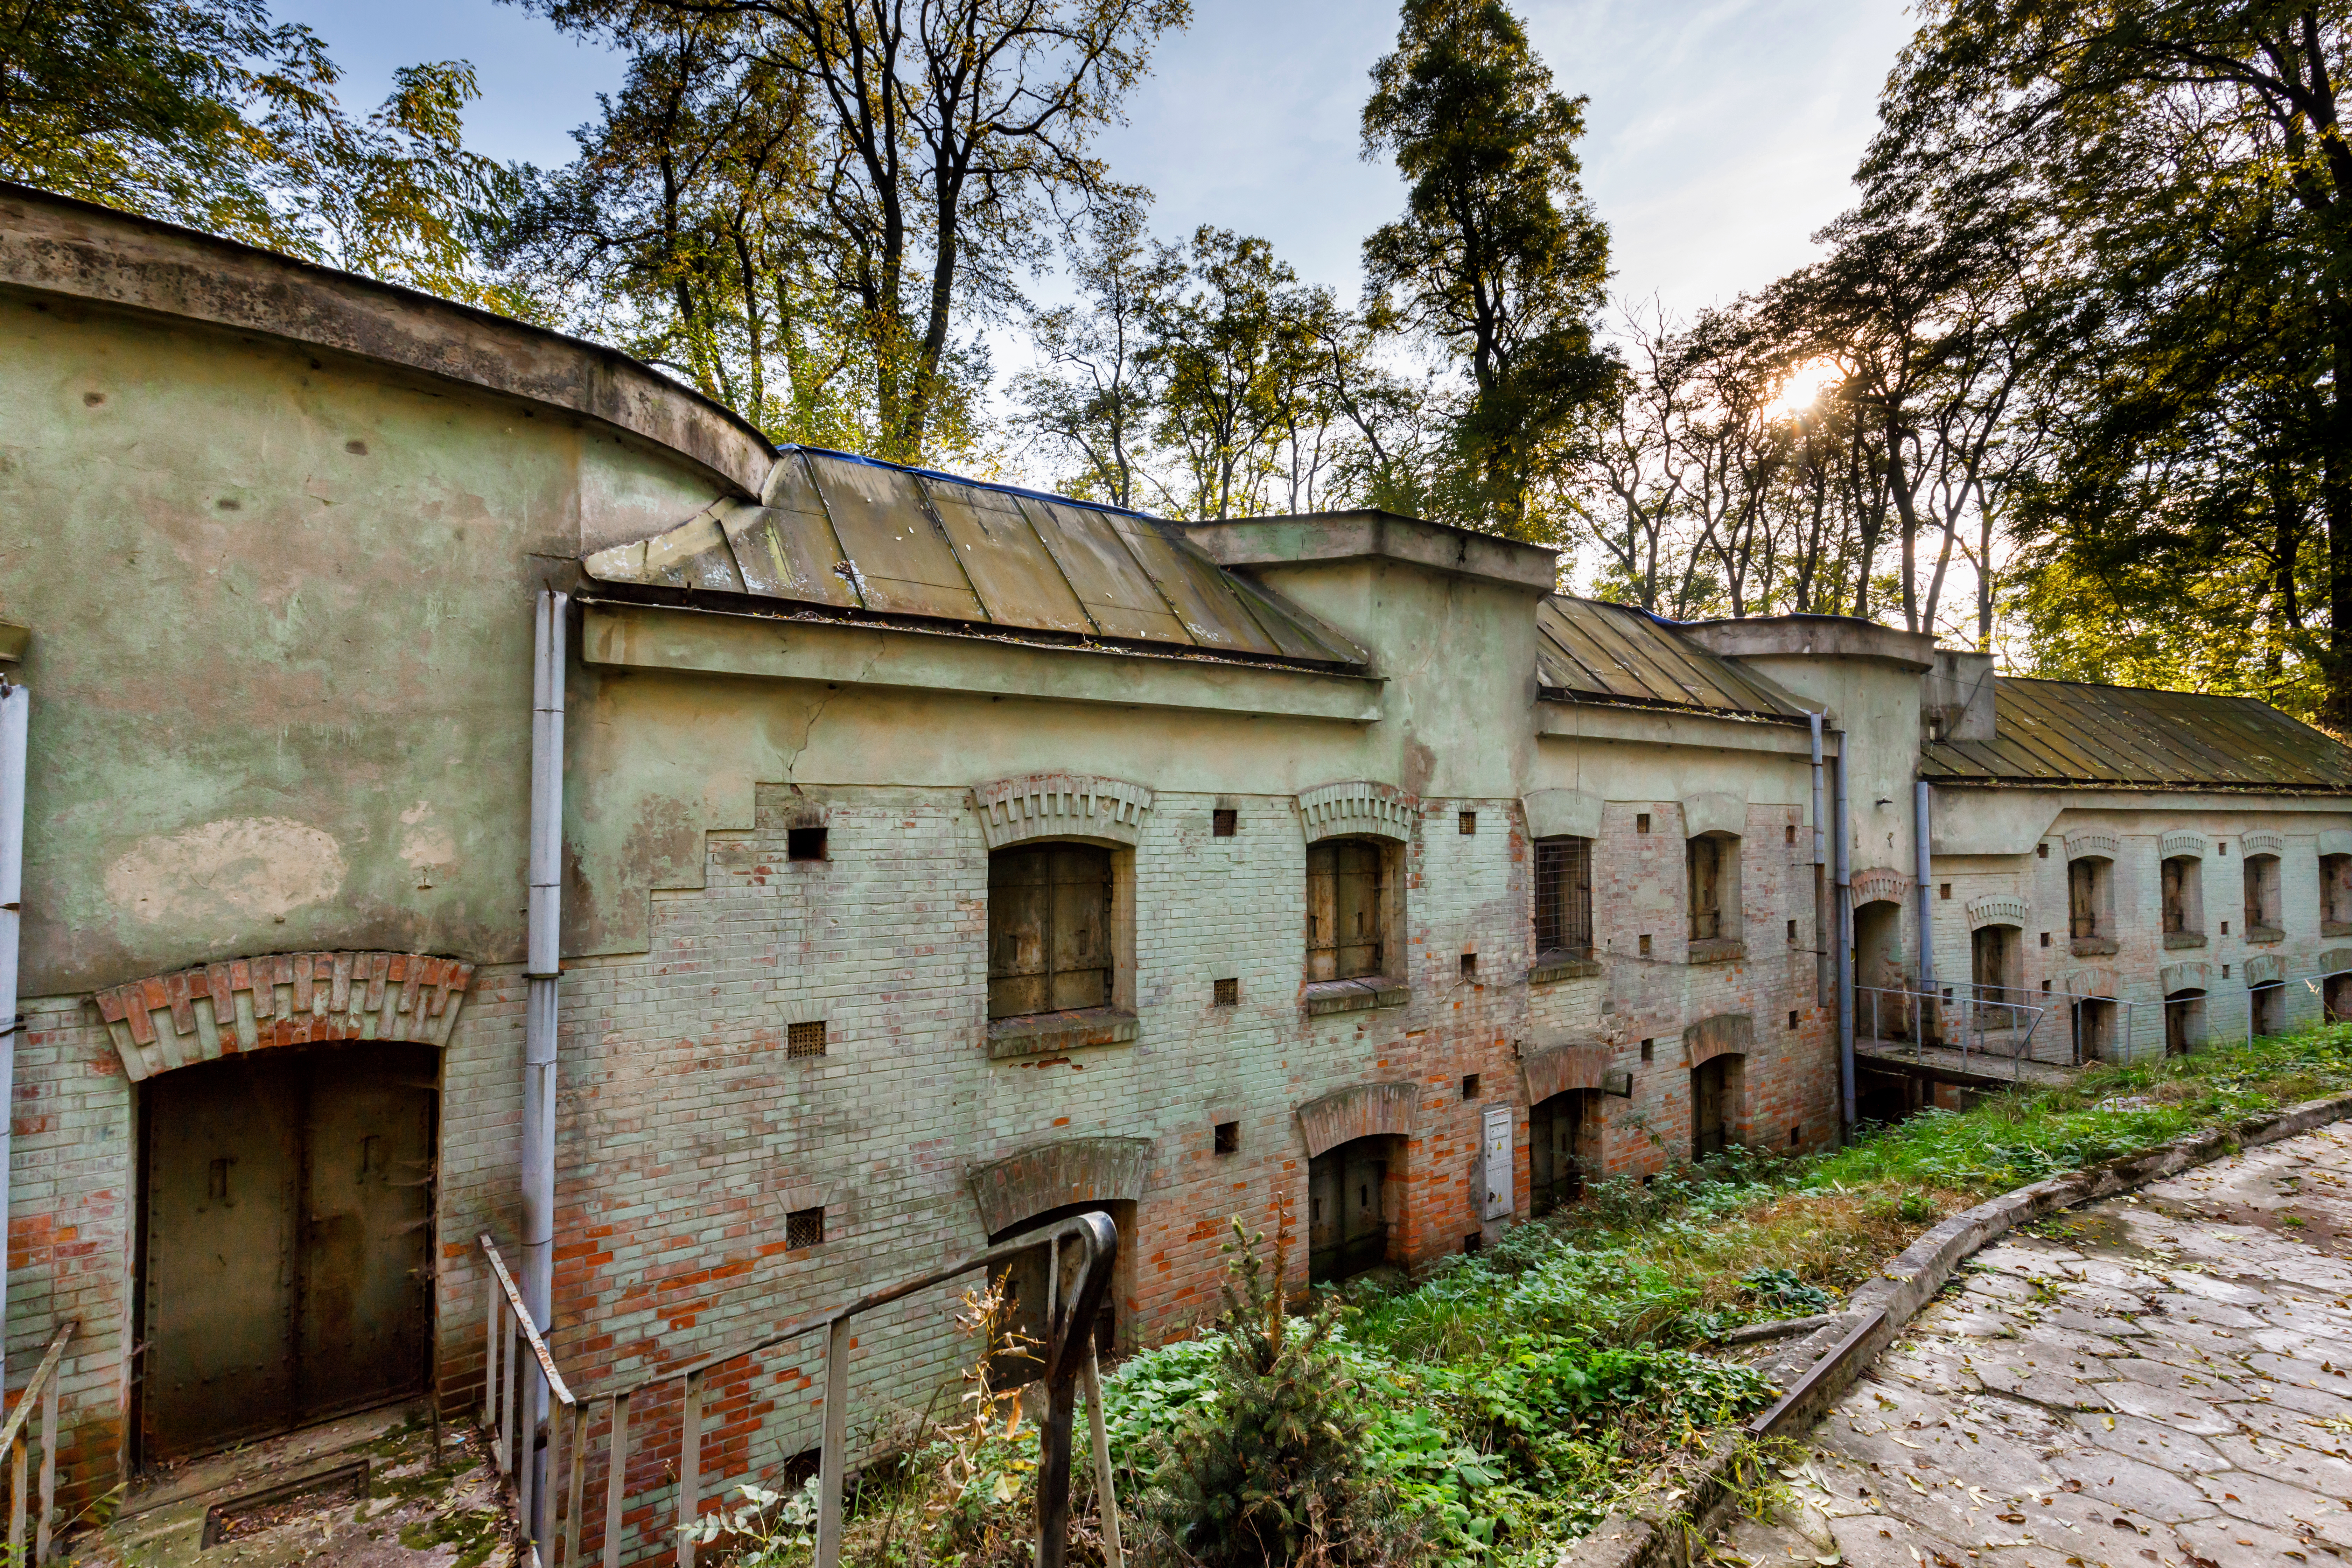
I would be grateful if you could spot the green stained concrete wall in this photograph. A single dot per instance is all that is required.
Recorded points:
(280, 603)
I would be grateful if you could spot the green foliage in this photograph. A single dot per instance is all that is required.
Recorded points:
(1498, 260)
(1273, 1470)
(206, 113)
(1782, 1291)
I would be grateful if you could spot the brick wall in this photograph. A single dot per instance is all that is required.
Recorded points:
(686, 1134)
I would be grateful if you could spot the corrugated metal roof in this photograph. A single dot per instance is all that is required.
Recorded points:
(2073, 733)
(850, 533)
(1589, 650)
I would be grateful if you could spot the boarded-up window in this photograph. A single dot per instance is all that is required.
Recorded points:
(1563, 897)
(2335, 889)
(1710, 855)
(2082, 889)
(1346, 909)
(2262, 892)
(1049, 928)
(2182, 904)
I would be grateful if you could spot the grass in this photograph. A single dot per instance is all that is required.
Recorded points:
(1517, 1395)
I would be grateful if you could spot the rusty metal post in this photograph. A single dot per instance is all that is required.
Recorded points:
(689, 1467)
(1070, 1335)
(1114, 1554)
(617, 1470)
(576, 1453)
(49, 1466)
(832, 1456)
(16, 1499)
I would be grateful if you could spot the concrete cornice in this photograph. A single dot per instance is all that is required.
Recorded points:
(1814, 637)
(52, 245)
(1368, 535)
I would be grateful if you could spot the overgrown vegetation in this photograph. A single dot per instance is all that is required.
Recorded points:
(1501, 1405)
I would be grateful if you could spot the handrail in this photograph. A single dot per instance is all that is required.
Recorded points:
(43, 1387)
(1915, 1008)
(1070, 1326)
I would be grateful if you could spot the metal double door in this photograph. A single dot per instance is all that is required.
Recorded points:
(288, 1261)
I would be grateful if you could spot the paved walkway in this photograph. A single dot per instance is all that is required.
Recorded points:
(2163, 1378)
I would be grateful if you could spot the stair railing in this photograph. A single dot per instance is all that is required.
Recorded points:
(41, 1391)
(1067, 1355)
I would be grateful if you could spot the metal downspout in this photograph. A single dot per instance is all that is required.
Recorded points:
(1820, 876)
(543, 964)
(16, 707)
(1843, 915)
(1923, 804)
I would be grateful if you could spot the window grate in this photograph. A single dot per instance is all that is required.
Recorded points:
(1467, 822)
(1224, 821)
(804, 1039)
(1564, 897)
(803, 1227)
(1229, 992)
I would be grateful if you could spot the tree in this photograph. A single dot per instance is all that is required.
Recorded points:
(206, 113)
(1498, 259)
(2155, 142)
(1090, 400)
(941, 139)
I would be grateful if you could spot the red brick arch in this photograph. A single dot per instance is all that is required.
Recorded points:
(216, 1010)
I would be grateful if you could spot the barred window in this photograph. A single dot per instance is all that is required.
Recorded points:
(1563, 897)
(803, 1227)
(804, 1039)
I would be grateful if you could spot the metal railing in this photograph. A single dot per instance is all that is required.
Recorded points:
(1067, 1355)
(42, 1391)
(1966, 1024)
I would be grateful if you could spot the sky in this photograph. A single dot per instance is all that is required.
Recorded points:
(1720, 133)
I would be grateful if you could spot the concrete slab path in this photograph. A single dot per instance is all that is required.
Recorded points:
(2162, 1378)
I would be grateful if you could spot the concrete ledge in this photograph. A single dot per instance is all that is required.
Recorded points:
(1036, 1034)
(1553, 969)
(1720, 950)
(1683, 1503)
(2178, 939)
(1322, 996)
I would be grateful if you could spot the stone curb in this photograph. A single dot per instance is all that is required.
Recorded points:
(1684, 1502)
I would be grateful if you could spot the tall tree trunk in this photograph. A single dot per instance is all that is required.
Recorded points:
(2336, 502)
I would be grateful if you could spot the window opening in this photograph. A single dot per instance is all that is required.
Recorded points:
(1224, 821)
(1469, 966)
(1467, 822)
(804, 1039)
(2262, 892)
(803, 1227)
(1470, 1086)
(1229, 1137)
(1228, 993)
(1709, 856)
(1049, 928)
(804, 843)
(1346, 909)
(1640, 822)
(1563, 898)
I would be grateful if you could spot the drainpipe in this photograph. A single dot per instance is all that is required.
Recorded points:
(1821, 875)
(1922, 808)
(543, 964)
(1843, 915)
(15, 707)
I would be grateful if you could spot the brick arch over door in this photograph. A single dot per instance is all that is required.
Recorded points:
(1360, 1111)
(1358, 808)
(1061, 805)
(242, 1005)
(1726, 1034)
(1564, 1068)
(1880, 885)
(1050, 1175)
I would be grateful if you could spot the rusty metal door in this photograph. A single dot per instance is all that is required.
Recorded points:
(288, 1260)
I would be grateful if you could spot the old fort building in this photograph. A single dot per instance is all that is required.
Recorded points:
(925, 859)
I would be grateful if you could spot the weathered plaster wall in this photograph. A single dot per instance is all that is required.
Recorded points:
(280, 606)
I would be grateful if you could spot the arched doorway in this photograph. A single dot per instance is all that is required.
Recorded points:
(1715, 1103)
(2184, 1021)
(1881, 1011)
(1028, 1287)
(286, 1269)
(1349, 1224)
(1564, 1147)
